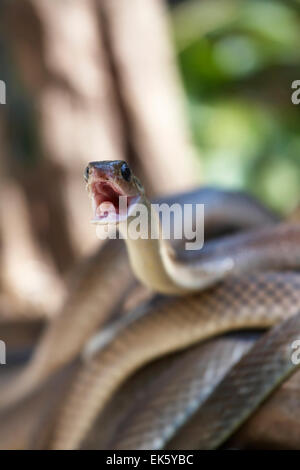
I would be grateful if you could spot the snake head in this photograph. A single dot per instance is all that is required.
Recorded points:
(113, 189)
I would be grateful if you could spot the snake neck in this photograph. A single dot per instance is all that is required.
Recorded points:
(148, 253)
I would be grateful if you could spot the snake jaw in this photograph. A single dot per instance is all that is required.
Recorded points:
(107, 205)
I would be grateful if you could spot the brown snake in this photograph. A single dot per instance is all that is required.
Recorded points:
(168, 324)
(240, 302)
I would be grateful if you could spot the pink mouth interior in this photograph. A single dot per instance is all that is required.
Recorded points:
(106, 192)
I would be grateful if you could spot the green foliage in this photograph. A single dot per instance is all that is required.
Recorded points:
(238, 60)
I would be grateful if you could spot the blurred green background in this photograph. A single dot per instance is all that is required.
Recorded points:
(238, 60)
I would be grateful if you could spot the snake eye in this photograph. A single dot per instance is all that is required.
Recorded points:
(126, 172)
(86, 173)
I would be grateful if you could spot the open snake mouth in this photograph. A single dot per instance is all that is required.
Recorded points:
(110, 203)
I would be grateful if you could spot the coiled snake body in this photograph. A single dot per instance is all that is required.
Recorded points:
(90, 302)
(238, 301)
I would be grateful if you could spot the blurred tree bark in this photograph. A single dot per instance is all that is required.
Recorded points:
(86, 80)
(149, 88)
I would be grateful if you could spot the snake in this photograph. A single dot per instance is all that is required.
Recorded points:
(90, 304)
(205, 292)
